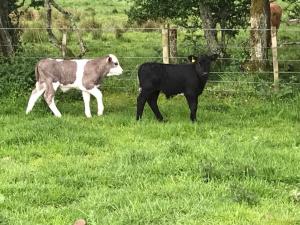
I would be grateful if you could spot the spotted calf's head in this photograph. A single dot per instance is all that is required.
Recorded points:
(115, 68)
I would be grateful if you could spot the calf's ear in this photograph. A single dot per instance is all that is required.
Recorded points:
(109, 59)
(213, 57)
(192, 58)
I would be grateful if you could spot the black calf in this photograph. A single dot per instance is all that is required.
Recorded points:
(189, 79)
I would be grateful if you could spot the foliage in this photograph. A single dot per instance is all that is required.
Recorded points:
(17, 75)
(293, 8)
(225, 14)
(34, 33)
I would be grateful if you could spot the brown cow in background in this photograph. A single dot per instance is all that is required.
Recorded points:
(276, 13)
(274, 19)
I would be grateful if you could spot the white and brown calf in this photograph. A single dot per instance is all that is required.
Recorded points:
(82, 74)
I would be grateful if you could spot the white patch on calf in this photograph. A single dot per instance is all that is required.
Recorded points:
(79, 76)
(79, 73)
(54, 109)
(55, 85)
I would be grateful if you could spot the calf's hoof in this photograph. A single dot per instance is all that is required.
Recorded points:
(161, 120)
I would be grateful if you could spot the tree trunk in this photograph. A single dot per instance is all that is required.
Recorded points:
(209, 27)
(259, 33)
(52, 38)
(73, 26)
(5, 37)
(173, 44)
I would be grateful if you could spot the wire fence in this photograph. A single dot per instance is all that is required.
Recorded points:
(110, 29)
(131, 63)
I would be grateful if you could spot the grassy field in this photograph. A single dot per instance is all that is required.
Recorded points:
(239, 164)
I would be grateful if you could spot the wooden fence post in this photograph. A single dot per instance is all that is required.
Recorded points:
(64, 44)
(173, 45)
(275, 58)
(165, 44)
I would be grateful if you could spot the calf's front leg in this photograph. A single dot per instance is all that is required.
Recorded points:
(86, 98)
(193, 104)
(98, 95)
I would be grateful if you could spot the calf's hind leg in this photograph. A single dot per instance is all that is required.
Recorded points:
(36, 93)
(152, 101)
(49, 98)
(141, 100)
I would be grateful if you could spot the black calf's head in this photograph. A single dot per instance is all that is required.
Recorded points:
(203, 63)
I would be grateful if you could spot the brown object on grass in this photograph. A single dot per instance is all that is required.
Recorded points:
(80, 222)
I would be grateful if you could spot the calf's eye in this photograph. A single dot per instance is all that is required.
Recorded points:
(116, 64)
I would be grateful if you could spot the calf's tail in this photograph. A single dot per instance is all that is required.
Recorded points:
(37, 74)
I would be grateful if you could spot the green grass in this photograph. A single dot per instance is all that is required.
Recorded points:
(237, 165)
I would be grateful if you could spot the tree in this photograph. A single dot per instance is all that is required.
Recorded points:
(53, 39)
(9, 32)
(259, 13)
(204, 14)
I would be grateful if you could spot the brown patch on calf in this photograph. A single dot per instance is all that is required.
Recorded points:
(63, 72)
(68, 72)
(49, 71)
(94, 71)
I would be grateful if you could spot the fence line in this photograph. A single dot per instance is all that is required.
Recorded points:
(140, 28)
(232, 72)
(220, 81)
(154, 57)
(231, 82)
(282, 46)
